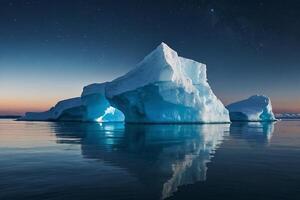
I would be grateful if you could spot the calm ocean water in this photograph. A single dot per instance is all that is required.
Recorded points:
(48, 160)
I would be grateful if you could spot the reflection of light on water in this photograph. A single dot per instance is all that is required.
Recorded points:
(264, 128)
(178, 153)
(109, 110)
(192, 167)
(256, 129)
(111, 131)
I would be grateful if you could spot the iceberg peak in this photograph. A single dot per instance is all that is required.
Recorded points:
(161, 65)
(163, 47)
(162, 53)
(165, 87)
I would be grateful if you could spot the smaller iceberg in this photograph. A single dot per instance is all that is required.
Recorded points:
(91, 106)
(255, 108)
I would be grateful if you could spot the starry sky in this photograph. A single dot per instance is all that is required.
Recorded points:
(50, 49)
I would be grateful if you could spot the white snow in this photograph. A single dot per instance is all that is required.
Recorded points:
(161, 65)
(164, 87)
(255, 108)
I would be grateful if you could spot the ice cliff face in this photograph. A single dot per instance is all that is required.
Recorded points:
(91, 106)
(166, 88)
(255, 108)
(97, 106)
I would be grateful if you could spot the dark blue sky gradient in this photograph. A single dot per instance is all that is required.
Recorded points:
(50, 49)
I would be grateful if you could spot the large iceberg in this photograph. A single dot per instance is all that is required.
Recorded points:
(91, 106)
(166, 88)
(255, 108)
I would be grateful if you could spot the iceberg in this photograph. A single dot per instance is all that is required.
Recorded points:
(255, 108)
(91, 106)
(166, 88)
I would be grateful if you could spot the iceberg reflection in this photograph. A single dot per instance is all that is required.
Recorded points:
(161, 157)
(191, 167)
(257, 132)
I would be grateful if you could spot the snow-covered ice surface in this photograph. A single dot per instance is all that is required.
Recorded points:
(166, 88)
(91, 106)
(255, 108)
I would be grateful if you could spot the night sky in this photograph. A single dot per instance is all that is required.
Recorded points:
(50, 49)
